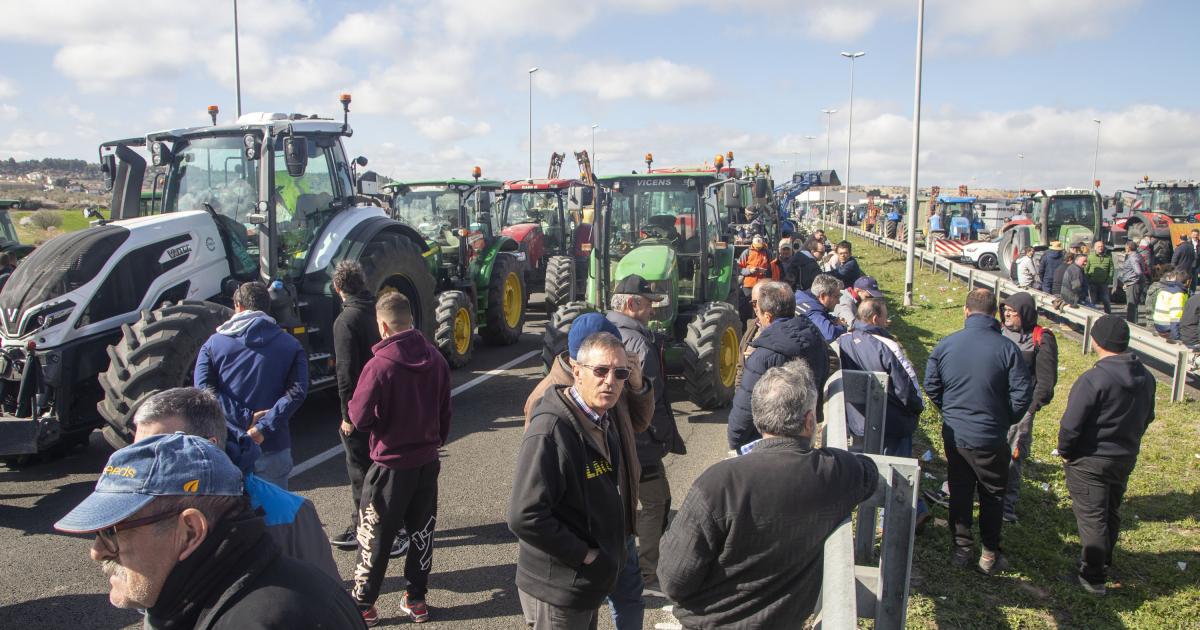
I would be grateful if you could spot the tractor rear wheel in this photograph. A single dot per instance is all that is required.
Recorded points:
(155, 353)
(710, 355)
(554, 341)
(455, 335)
(560, 282)
(393, 262)
(505, 316)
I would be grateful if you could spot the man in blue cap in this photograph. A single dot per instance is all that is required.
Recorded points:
(634, 412)
(176, 537)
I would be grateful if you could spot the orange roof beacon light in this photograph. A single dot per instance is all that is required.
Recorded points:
(213, 110)
(729, 158)
(719, 161)
(649, 160)
(344, 99)
(476, 173)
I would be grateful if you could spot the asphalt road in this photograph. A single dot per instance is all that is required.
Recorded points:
(49, 582)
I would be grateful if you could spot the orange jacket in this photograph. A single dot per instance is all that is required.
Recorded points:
(757, 259)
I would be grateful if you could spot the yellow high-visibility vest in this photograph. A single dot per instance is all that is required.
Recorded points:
(1168, 308)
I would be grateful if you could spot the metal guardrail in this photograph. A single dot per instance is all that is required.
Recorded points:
(1141, 340)
(852, 586)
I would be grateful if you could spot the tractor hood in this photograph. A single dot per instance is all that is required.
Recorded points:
(652, 262)
(1072, 234)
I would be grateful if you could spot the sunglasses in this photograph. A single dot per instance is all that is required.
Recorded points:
(108, 535)
(601, 371)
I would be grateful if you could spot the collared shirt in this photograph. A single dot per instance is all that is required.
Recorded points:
(598, 419)
(597, 429)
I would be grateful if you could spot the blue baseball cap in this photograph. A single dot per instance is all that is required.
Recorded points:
(585, 326)
(173, 464)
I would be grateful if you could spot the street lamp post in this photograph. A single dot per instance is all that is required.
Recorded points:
(849, 137)
(237, 62)
(914, 201)
(531, 71)
(828, 118)
(1020, 173)
(1096, 160)
(595, 161)
(810, 148)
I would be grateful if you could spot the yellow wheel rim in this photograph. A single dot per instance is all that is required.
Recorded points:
(727, 357)
(513, 300)
(462, 331)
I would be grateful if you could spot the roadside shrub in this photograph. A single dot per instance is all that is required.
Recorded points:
(46, 219)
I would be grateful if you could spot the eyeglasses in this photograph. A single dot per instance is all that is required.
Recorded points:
(601, 371)
(108, 535)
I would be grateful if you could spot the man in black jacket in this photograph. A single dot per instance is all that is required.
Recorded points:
(1184, 257)
(979, 382)
(784, 338)
(566, 508)
(354, 332)
(802, 267)
(632, 307)
(1039, 349)
(1074, 288)
(745, 548)
(1099, 437)
(845, 267)
(176, 538)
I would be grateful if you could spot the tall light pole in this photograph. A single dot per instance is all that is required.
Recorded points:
(237, 61)
(849, 136)
(914, 202)
(594, 160)
(810, 147)
(531, 71)
(1096, 160)
(1020, 173)
(828, 118)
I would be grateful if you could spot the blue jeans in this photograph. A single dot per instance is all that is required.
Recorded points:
(902, 447)
(275, 467)
(628, 607)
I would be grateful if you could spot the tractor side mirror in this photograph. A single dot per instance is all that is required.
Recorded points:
(108, 166)
(368, 184)
(295, 154)
(731, 196)
(360, 160)
(761, 188)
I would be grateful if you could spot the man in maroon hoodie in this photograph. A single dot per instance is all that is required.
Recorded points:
(403, 401)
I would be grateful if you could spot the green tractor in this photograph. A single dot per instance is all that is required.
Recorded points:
(480, 272)
(9, 242)
(666, 226)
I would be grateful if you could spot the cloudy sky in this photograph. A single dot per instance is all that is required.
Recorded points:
(442, 85)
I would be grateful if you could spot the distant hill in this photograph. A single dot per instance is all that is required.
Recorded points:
(71, 168)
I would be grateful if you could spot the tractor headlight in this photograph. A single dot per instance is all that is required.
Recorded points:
(54, 315)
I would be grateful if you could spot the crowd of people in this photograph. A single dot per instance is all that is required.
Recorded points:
(195, 526)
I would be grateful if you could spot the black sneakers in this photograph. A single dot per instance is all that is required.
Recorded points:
(346, 540)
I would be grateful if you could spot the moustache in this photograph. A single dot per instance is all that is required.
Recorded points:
(110, 568)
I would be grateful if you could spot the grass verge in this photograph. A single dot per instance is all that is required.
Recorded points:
(1157, 561)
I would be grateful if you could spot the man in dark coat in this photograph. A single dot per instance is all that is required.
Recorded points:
(354, 333)
(803, 266)
(845, 267)
(1184, 257)
(566, 507)
(979, 382)
(817, 305)
(1039, 349)
(260, 374)
(784, 337)
(1099, 437)
(208, 562)
(1074, 282)
(744, 551)
(632, 307)
(1051, 260)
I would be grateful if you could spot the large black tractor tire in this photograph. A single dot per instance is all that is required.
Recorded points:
(455, 334)
(554, 340)
(1162, 250)
(506, 308)
(560, 282)
(156, 352)
(710, 355)
(392, 262)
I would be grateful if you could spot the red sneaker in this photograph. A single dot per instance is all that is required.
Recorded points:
(415, 609)
(370, 616)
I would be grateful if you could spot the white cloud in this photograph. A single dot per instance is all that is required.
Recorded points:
(654, 79)
(421, 83)
(366, 31)
(9, 113)
(449, 128)
(1007, 27)
(26, 143)
(7, 89)
(841, 23)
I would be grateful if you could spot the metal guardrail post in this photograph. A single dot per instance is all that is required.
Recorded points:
(867, 391)
(1179, 377)
(970, 279)
(895, 557)
(1087, 333)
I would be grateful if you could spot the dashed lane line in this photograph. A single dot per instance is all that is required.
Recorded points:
(334, 451)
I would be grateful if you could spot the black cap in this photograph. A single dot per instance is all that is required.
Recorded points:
(634, 284)
(1111, 333)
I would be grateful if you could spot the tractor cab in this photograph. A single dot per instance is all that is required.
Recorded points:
(1163, 211)
(1068, 215)
(454, 215)
(958, 217)
(543, 215)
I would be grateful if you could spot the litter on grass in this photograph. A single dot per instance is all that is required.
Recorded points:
(927, 456)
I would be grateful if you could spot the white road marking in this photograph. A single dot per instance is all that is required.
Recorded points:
(334, 451)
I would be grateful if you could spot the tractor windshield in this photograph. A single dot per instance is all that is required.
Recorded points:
(431, 210)
(659, 211)
(213, 171)
(1069, 211)
(531, 206)
(1177, 202)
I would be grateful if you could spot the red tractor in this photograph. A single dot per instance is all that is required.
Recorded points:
(547, 218)
(1161, 210)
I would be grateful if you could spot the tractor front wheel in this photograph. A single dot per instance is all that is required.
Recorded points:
(710, 355)
(554, 341)
(505, 316)
(455, 333)
(560, 282)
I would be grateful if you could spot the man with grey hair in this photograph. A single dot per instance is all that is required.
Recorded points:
(817, 303)
(292, 520)
(633, 306)
(762, 518)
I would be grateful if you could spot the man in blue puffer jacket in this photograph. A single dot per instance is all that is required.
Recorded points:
(784, 338)
(816, 304)
(260, 375)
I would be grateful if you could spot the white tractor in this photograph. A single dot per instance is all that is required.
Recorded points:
(95, 321)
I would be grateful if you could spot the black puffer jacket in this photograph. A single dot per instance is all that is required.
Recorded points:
(1051, 261)
(354, 332)
(785, 339)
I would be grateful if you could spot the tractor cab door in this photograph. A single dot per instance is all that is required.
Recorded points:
(305, 204)
(718, 252)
